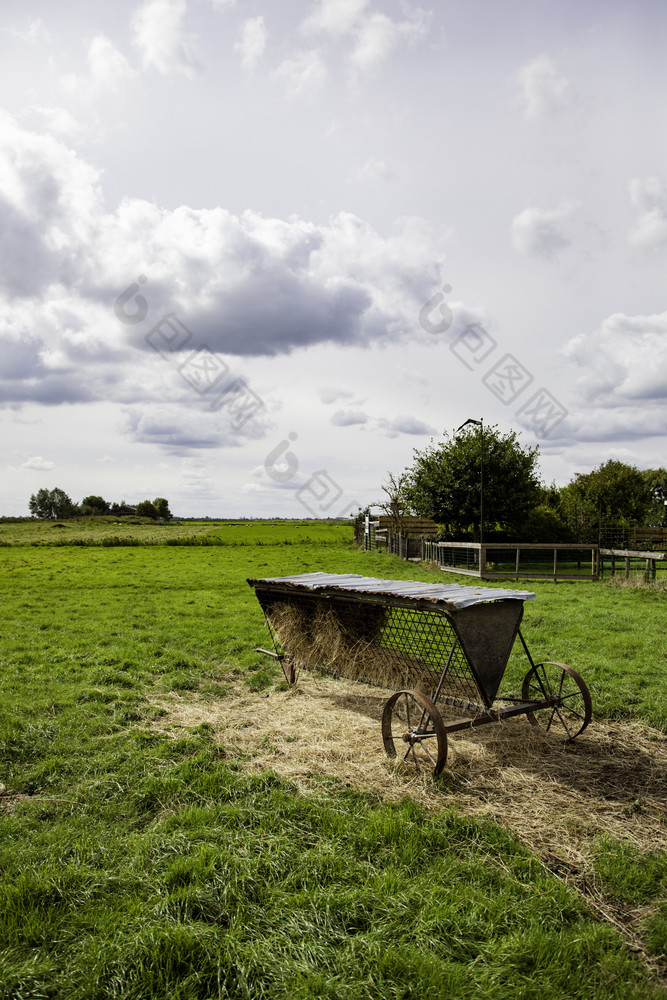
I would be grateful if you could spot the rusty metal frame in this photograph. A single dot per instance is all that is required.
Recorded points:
(462, 652)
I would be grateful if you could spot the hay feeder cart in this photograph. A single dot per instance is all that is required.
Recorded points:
(444, 648)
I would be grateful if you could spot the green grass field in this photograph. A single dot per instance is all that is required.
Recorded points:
(108, 531)
(138, 863)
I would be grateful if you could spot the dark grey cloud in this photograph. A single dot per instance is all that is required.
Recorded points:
(180, 428)
(20, 359)
(176, 433)
(53, 390)
(274, 311)
(244, 285)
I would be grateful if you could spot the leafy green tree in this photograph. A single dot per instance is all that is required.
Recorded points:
(544, 524)
(579, 513)
(617, 491)
(613, 493)
(94, 505)
(52, 504)
(147, 509)
(121, 508)
(162, 508)
(444, 482)
(656, 481)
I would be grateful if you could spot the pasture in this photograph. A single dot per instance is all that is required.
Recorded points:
(175, 823)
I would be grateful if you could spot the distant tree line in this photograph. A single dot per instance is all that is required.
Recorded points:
(443, 484)
(55, 504)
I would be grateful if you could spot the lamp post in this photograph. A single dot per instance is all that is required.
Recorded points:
(480, 424)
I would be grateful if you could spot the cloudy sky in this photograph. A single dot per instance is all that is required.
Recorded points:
(253, 254)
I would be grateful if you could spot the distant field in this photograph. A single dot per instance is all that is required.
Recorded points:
(142, 858)
(142, 531)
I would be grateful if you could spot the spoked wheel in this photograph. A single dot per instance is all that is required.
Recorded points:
(412, 729)
(570, 709)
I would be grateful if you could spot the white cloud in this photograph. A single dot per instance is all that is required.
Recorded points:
(109, 68)
(58, 121)
(649, 197)
(108, 71)
(35, 32)
(49, 199)
(538, 232)
(544, 90)
(346, 418)
(196, 480)
(373, 170)
(38, 464)
(374, 35)
(302, 75)
(404, 425)
(624, 363)
(334, 17)
(160, 36)
(330, 395)
(243, 284)
(252, 43)
(377, 36)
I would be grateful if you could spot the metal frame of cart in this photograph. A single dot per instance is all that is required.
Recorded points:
(443, 649)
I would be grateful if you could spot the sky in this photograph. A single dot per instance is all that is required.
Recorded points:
(255, 254)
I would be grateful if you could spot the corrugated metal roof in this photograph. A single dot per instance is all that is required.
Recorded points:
(452, 595)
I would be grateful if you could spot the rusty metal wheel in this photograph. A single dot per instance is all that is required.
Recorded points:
(571, 706)
(412, 728)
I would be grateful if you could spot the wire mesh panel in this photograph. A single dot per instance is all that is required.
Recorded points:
(450, 642)
(443, 647)
(379, 643)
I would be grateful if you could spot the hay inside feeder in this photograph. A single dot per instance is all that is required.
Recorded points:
(346, 640)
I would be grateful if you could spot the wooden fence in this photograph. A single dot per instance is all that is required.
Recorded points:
(506, 560)
(509, 560)
(628, 559)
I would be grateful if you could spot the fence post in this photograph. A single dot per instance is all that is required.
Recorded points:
(516, 563)
(555, 565)
(482, 560)
(627, 567)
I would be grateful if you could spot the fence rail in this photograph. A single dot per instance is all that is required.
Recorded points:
(507, 560)
(633, 561)
(516, 560)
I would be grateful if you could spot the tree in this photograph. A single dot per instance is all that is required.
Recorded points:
(120, 509)
(51, 504)
(94, 505)
(397, 504)
(162, 508)
(656, 482)
(146, 509)
(615, 490)
(544, 524)
(579, 513)
(444, 482)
